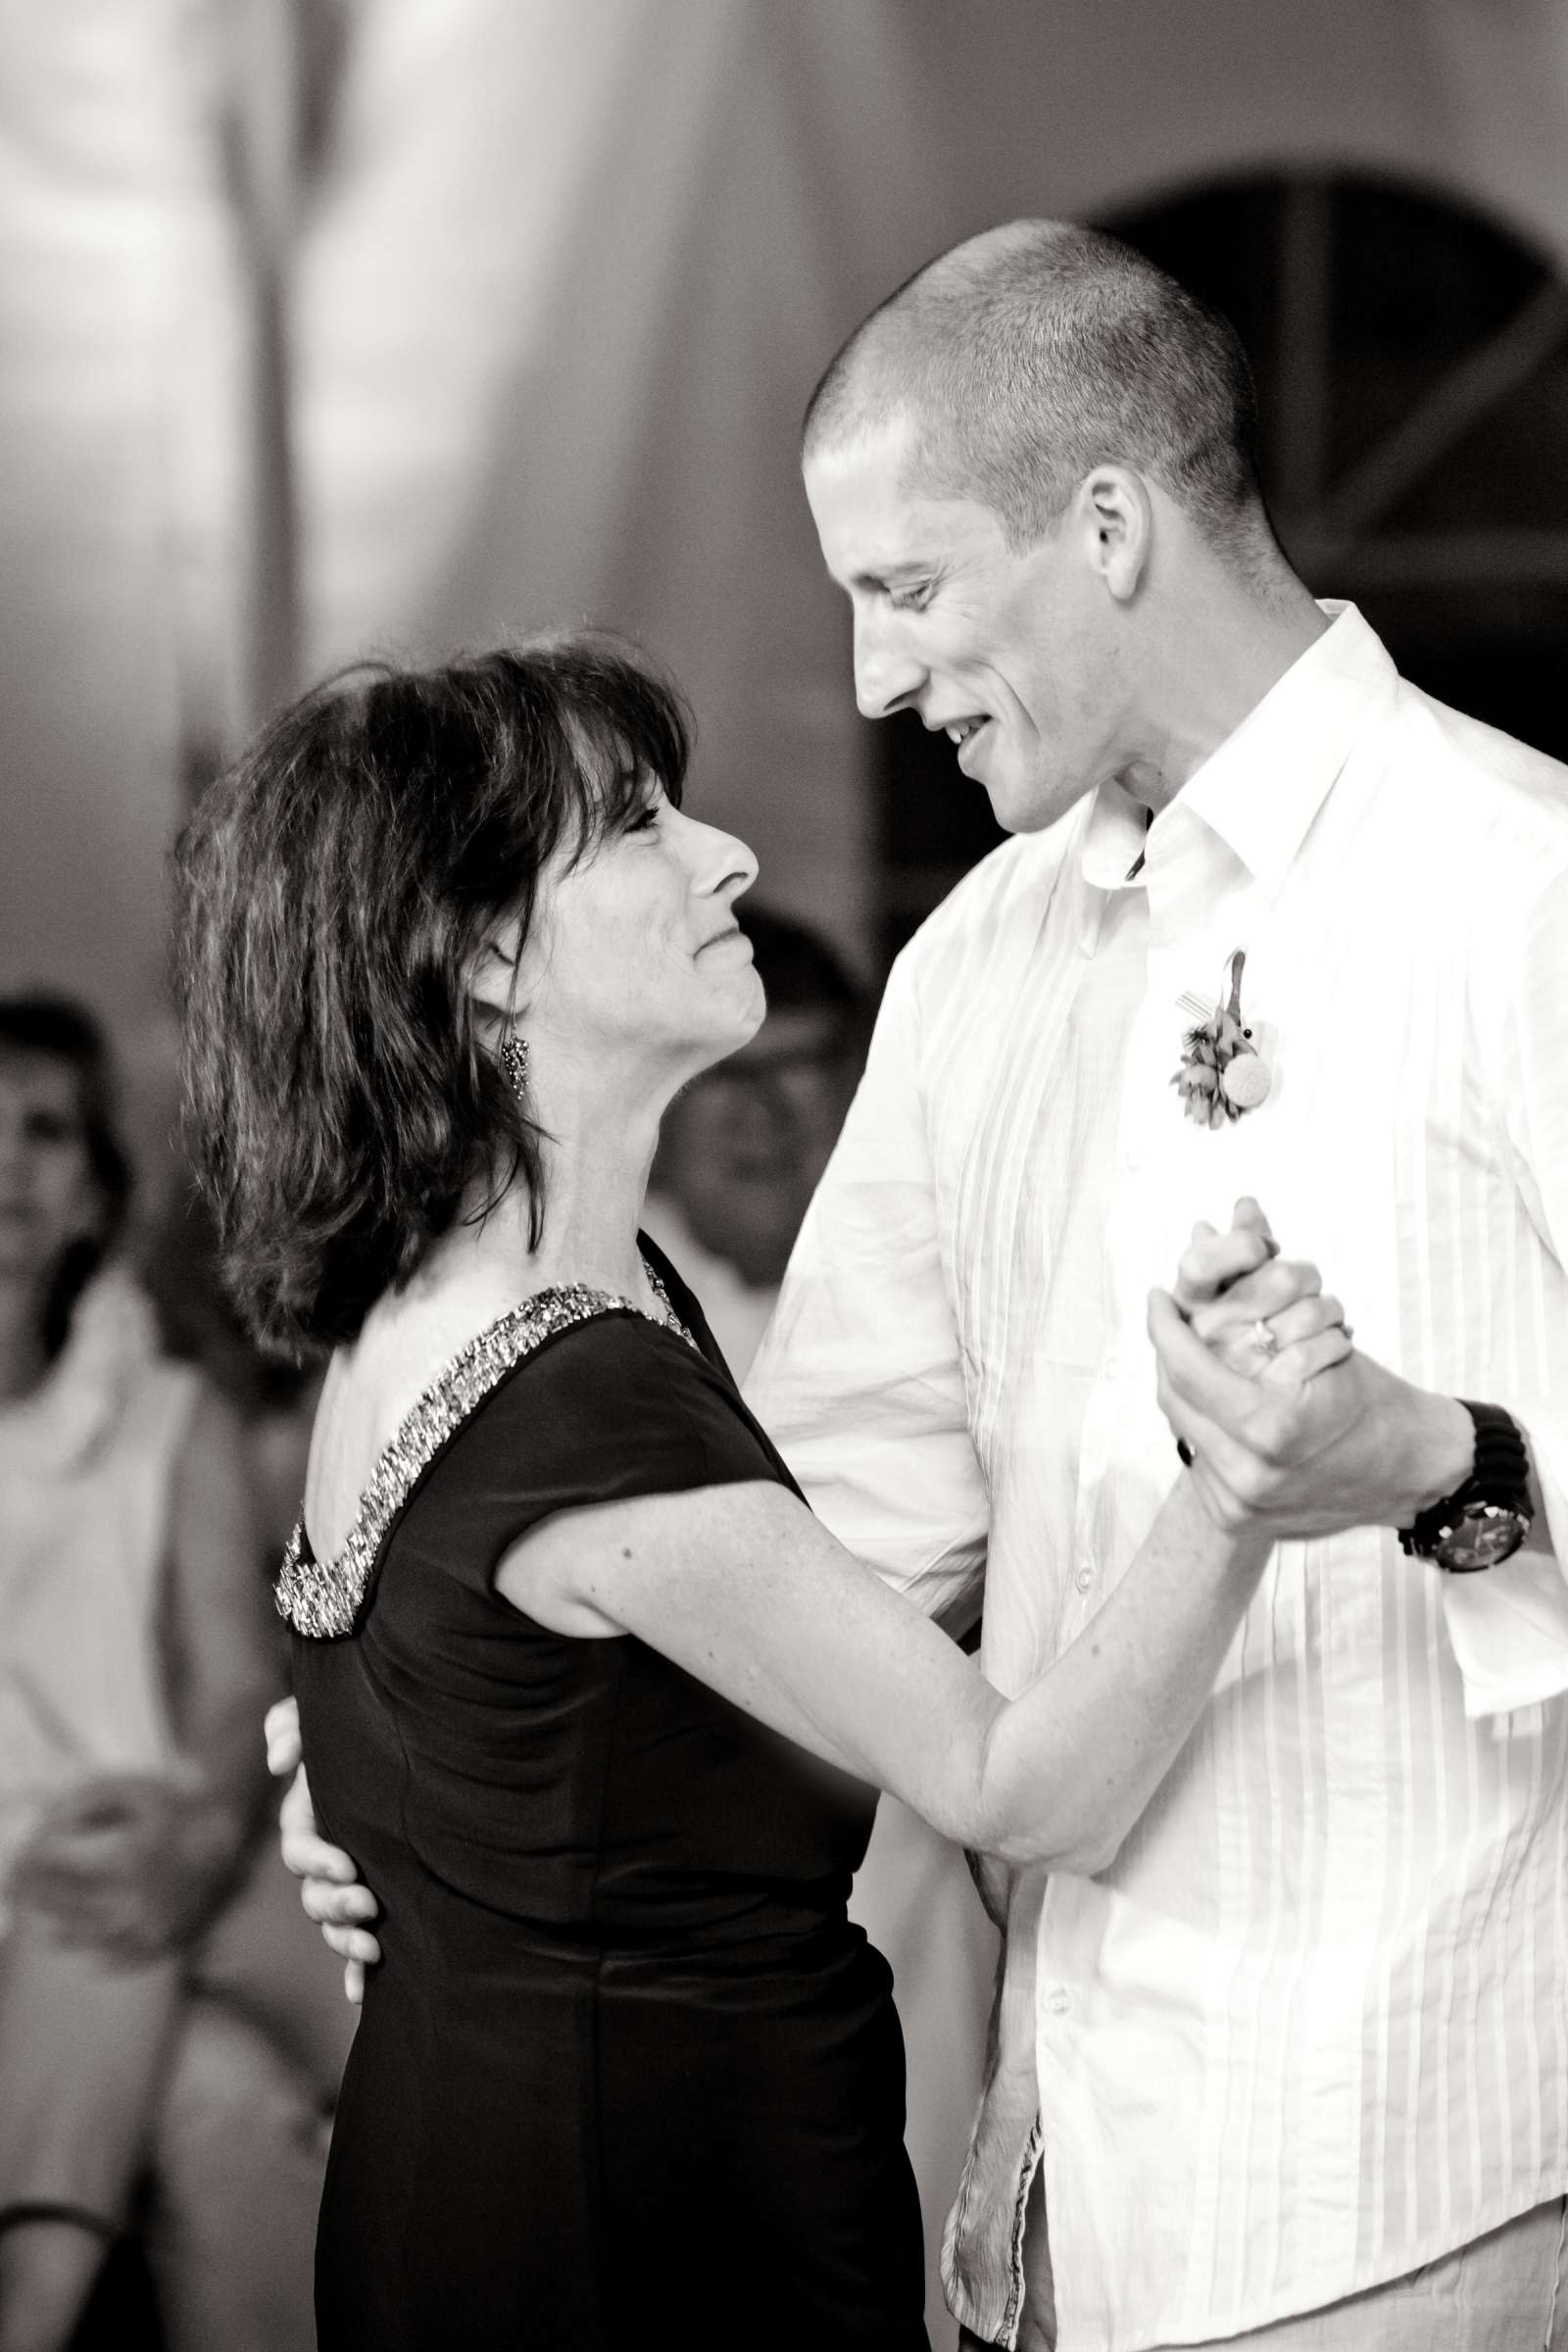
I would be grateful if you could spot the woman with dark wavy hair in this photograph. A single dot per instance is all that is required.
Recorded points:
(586, 1693)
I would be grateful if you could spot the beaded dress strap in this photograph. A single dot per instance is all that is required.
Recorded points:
(322, 1598)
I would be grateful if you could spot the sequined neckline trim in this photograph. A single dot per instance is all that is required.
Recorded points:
(323, 1599)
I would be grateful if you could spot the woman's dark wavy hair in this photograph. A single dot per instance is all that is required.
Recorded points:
(58, 1029)
(333, 890)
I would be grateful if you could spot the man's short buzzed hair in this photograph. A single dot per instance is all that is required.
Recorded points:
(1033, 352)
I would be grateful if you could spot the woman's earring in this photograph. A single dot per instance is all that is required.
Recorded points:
(515, 1061)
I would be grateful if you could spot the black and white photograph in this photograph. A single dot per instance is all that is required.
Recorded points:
(784, 1176)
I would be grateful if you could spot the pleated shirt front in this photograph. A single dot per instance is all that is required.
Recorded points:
(1310, 2029)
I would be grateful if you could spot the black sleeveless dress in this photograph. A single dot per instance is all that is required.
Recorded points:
(626, 2075)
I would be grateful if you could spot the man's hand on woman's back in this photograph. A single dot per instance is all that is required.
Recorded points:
(333, 1894)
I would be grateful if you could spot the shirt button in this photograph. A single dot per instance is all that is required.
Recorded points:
(1130, 1163)
(1058, 2002)
(1085, 1578)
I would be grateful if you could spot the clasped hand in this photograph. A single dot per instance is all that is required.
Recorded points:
(1308, 1440)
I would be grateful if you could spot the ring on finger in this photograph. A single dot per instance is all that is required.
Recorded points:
(1264, 1338)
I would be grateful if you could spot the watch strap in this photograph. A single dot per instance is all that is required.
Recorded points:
(1500, 1475)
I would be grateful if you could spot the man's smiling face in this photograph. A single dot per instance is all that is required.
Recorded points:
(1014, 652)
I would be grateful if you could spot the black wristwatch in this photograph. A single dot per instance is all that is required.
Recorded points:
(1488, 1517)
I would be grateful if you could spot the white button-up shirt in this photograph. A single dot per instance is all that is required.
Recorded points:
(1310, 2029)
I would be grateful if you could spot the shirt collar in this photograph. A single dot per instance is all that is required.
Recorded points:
(1113, 837)
(1260, 790)
(1111, 855)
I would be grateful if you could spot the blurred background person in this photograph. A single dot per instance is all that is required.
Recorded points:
(273, 1398)
(741, 1148)
(135, 1653)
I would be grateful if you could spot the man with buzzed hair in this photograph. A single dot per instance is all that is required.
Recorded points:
(1293, 2068)
(1025, 355)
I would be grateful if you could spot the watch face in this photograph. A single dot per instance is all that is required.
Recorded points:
(1481, 1538)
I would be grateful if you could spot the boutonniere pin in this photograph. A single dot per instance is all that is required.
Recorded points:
(1222, 1074)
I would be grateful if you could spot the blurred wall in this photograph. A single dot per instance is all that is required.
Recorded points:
(1085, 109)
(557, 313)
(122, 341)
(560, 274)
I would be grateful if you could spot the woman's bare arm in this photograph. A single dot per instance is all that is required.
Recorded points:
(745, 1591)
(1225, 1282)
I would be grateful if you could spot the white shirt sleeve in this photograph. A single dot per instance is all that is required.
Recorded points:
(1510, 1625)
(859, 1380)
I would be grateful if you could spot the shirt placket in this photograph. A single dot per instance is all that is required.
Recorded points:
(1101, 1433)
(1163, 1173)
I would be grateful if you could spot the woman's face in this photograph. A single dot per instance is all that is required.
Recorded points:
(638, 969)
(48, 1196)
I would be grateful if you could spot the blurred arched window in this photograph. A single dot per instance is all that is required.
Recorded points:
(1412, 356)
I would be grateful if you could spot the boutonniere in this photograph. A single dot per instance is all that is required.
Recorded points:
(1222, 1074)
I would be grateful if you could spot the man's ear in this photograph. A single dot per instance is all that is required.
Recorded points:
(1119, 520)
